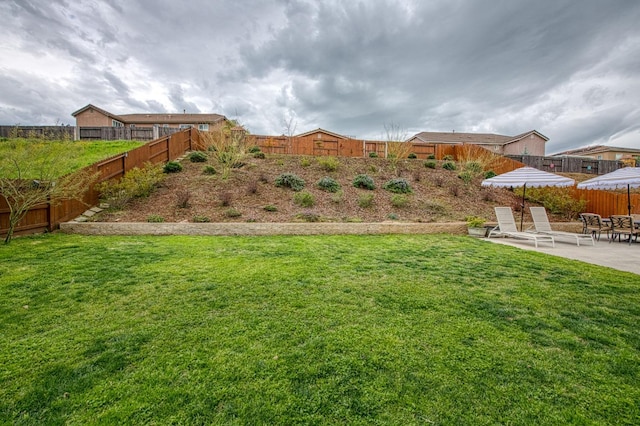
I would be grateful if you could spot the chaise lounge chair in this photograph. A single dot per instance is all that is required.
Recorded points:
(542, 226)
(507, 228)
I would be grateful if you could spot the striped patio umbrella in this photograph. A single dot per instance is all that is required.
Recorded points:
(628, 177)
(527, 176)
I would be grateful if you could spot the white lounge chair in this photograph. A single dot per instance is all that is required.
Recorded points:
(542, 226)
(507, 228)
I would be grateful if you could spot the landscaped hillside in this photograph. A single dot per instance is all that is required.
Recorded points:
(251, 193)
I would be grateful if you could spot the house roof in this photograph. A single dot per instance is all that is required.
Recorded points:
(100, 110)
(319, 130)
(475, 138)
(157, 118)
(598, 149)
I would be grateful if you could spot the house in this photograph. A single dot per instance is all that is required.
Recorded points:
(92, 117)
(321, 134)
(602, 152)
(531, 142)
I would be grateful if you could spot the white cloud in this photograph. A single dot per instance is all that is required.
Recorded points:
(504, 67)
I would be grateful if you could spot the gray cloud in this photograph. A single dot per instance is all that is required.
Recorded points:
(568, 68)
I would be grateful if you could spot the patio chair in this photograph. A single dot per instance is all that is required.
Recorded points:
(593, 224)
(542, 226)
(507, 228)
(623, 225)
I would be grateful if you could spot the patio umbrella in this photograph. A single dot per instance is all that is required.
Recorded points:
(627, 176)
(527, 176)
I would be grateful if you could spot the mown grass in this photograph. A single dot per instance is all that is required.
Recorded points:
(317, 330)
(80, 153)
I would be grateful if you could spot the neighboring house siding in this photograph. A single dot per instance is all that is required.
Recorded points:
(92, 118)
(531, 145)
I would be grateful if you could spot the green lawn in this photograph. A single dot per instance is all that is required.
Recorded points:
(75, 154)
(423, 329)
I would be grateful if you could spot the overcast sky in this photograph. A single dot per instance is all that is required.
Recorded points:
(569, 69)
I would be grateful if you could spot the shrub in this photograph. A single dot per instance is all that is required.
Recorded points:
(304, 199)
(373, 154)
(136, 183)
(455, 190)
(328, 164)
(449, 165)
(155, 218)
(399, 200)
(364, 182)
(328, 184)
(337, 197)
(290, 180)
(225, 198)
(448, 158)
(473, 167)
(209, 170)
(182, 199)
(259, 155)
(412, 155)
(305, 162)
(556, 200)
(430, 164)
(466, 176)
(252, 187)
(255, 149)
(489, 174)
(435, 208)
(431, 157)
(475, 221)
(392, 216)
(201, 219)
(198, 157)
(270, 208)
(398, 186)
(172, 167)
(308, 217)
(232, 213)
(365, 200)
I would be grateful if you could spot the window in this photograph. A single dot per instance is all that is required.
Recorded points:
(185, 126)
(618, 156)
(599, 157)
(165, 125)
(204, 127)
(116, 123)
(133, 126)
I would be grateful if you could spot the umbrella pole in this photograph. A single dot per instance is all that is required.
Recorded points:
(524, 191)
(628, 200)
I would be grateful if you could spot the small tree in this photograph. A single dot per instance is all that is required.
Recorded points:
(397, 148)
(227, 146)
(30, 176)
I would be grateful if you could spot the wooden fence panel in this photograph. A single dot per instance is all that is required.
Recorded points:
(351, 148)
(423, 151)
(607, 203)
(44, 132)
(568, 164)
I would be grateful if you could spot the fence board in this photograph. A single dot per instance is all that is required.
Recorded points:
(44, 132)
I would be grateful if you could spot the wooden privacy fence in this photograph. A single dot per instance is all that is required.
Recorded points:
(568, 164)
(42, 132)
(607, 203)
(46, 217)
(337, 147)
(125, 133)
